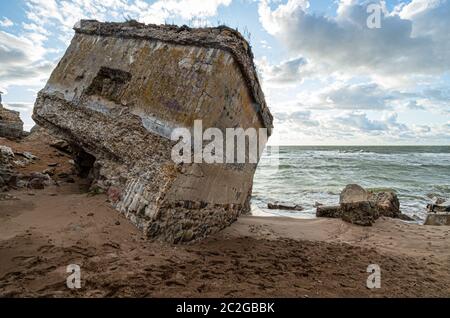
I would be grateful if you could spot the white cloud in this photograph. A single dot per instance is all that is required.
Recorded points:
(360, 122)
(6, 23)
(351, 96)
(188, 9)
(351, 74)
(22, 60)
(67, 13)
(289, 71)
(405, 45)
(353, 127)
(297, 117)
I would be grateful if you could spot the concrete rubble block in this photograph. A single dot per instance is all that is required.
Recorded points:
(11, 126)
(438, 219)
(6, 154)
(354, 207)
(329, 211)
(118, 93)
(6, 167)
(353, 193)
(362, 213)
(443, 206)
(386, 202)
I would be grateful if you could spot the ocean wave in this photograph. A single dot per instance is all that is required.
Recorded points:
(310, 174)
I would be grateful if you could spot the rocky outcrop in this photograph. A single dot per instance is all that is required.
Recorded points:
(117, 95)
(11, 126)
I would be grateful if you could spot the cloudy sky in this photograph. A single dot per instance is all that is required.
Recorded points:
(328, 77)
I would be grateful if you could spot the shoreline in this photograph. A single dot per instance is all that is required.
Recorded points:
(255, 257)
(258, 212)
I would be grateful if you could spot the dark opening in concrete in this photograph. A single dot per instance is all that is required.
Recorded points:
(109, 83)
(84, 162)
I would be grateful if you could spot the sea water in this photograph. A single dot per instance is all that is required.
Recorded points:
(308, 174)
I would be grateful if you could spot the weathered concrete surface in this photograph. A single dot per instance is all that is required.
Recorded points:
(363, 213)
(6, 167)
(438, 219)
(329, 211)
(353, 193)
(118, 93)
(11, 126)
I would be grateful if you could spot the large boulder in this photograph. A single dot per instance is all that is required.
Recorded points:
(355, 206)
(11, 126)
(362, 207)
(118, 94)
(353, 193)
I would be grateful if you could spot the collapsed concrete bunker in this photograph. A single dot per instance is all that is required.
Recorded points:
(118, 93)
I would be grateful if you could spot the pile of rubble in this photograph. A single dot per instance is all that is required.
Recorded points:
(22, 169)
(438, 212)
(11, 179)
(361, 207)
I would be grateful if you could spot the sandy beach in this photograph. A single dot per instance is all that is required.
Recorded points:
(225, 149)
(42, 232)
